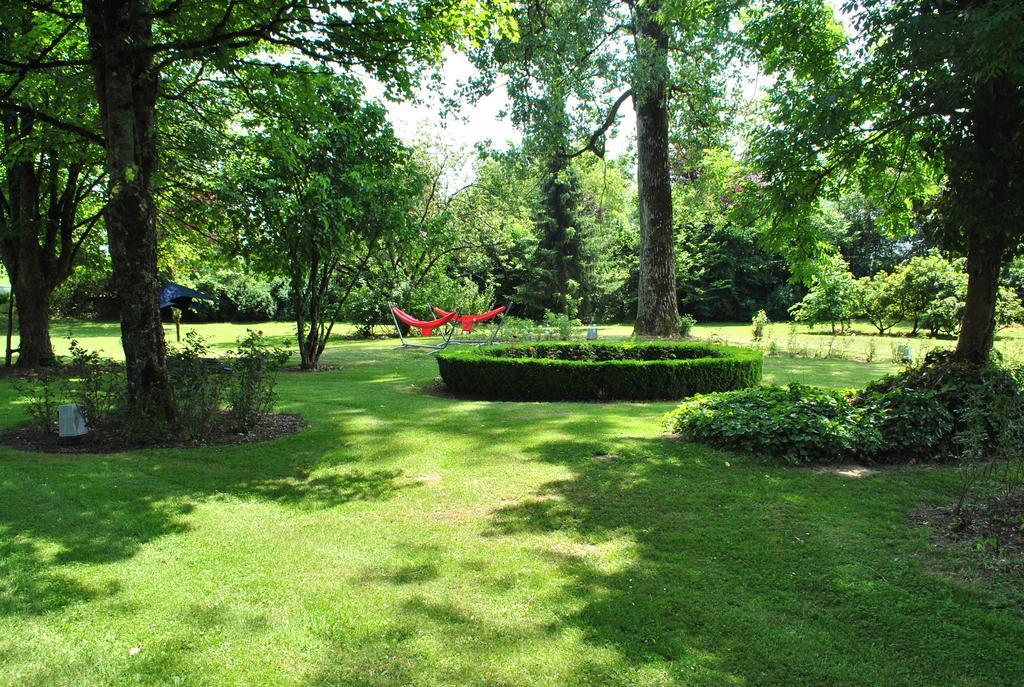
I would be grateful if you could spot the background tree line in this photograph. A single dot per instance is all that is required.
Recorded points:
(159, 138)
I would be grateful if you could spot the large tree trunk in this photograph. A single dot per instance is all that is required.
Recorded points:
(32, 299)
(24, 262)
(120, 33)
(985, 193)
(978, 330)
(657, 306)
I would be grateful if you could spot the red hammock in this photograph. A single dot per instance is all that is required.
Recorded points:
(426, 327)
(467, 321)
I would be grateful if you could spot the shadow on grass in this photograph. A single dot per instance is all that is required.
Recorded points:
(754, 575)
(98, 509)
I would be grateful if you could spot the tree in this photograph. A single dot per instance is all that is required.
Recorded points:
(927, 102)
(48, 209)
(880, 301)
(833, 296)
(673, 72)
(320, 178)
(131, 42)
(50, 202)
(724, 274)
(921, 282)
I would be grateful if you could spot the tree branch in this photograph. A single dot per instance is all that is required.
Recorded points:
(88, 135)
(603, 129)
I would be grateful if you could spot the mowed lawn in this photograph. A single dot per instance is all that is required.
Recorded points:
(409, 539)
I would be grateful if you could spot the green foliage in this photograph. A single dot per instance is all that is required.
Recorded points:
(805, 424)
(981, 401)
(242, 297)
(319, 181)
(880, 301)
(921, 108)
(797, 423)
(367, 305)
(197, 387)
(98, 387)
(44, 393)
(686, 324)
(833, 296)
(584, 371)
(759, 323)
(722, 270)
(250, 391)
(940, 411)
(929, 290)
(562, 327)
(1009, 308)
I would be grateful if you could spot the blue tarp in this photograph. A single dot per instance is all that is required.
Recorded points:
(181, 297)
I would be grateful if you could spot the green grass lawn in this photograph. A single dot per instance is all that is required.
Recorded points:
(409, 539)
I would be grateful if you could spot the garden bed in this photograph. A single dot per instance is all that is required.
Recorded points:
(271, 426)
(605, 371)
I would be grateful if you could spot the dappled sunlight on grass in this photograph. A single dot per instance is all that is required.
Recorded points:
(408, 538)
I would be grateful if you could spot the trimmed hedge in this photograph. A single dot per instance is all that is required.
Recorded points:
(605, 371)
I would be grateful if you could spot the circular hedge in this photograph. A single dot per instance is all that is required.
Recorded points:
(604, 371)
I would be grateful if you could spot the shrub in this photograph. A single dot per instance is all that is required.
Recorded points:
(562, 327)
(584, 371)
(97, 385)
(797, 423)
(250, 392)
(804, 424)
(686, 325)
(880, 301)
(941, 410)
(833, 297)
(979, 399)
(242, 297)
(197, 387)
(45, 392)
(758, 324)
(519, 329)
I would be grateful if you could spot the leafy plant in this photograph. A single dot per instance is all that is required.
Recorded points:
(565, 328)
(759, 323)
(97, 385)
(833, 298)
(686, 324)
(197, 385)
(585, 371)
(45, 392)
(804, 424)
(250, 392)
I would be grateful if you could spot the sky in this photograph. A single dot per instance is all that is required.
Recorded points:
(475, 123)
(483, 121)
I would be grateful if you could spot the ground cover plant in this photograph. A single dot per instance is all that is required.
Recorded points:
(601, 371)
(942, 410)
(405, 538)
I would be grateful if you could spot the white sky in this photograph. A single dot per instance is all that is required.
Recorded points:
(474, 123)
(483, 121)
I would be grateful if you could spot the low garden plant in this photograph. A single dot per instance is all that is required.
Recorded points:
(942, 410)
(232, 394)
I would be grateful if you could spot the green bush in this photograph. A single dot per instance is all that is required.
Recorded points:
(942, 410)
(805, 424)
(562, 327)
(197, 388)
(366, 306)
(250, 392)
(686, 325)
(242, 297)
(585, 371)
(798, 423)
